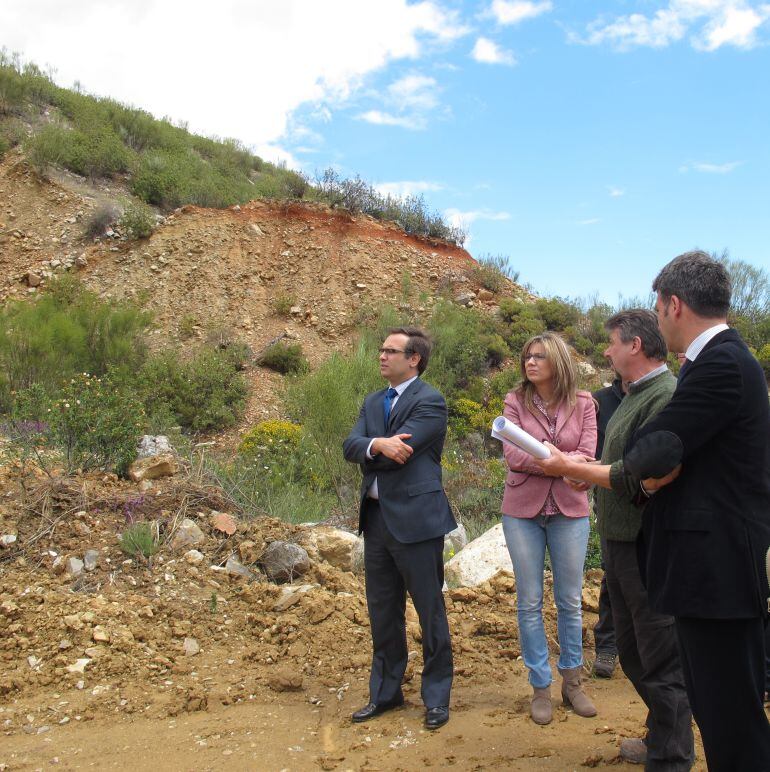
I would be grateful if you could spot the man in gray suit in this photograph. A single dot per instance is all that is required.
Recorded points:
(404, 515)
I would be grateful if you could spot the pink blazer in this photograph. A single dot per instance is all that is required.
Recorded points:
(526, 487)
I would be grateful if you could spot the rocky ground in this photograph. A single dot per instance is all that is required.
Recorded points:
(200, 660)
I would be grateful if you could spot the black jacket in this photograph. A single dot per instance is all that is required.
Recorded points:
(705, 535)
(412, 499)
(607, 399)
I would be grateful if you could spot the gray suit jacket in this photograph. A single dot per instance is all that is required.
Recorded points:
(412, 499)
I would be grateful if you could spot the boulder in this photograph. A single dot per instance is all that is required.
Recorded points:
(283, 560)
(153, 445)
(333, 545)
(187, 535)
(235, 568)
(479, 561)
(153, 467)
(455, 540)
(33, 279)
(193, 557)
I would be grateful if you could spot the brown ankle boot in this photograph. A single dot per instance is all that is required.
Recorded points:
(541, 708)
(572, 693)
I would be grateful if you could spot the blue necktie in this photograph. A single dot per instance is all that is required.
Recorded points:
(389, 395)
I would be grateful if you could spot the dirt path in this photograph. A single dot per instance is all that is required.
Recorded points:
(489, 729)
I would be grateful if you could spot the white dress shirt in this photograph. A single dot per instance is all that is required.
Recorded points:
(373, 493)
(698, 344)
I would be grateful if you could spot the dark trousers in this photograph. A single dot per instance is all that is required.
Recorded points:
(724, 669)
(604, 629)
(393, 569)
(649, 656)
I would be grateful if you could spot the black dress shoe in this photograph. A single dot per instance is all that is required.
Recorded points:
(372, 709)
(436, 717)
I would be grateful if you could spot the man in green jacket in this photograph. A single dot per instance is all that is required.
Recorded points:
(646, 640)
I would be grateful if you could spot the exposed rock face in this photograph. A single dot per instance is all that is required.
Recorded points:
(282, 561)
(479, 561)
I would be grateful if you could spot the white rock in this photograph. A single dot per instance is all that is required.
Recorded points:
(79, 667)
(7, 539)
(586, 368)
(236, 568)
(91, 559)
(74, 566)
(193, 557)
(479, 561)
(153, 445)
(334, 545)
(456, 540)
(191, 647)
(290, 594)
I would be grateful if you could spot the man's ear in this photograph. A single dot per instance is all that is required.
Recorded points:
(675, 305)
(414, 360)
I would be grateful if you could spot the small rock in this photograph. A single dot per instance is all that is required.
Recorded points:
(191, 647)
(9, 609)
(153, 445)
(91, 559)
(485, 294)
(65, 644)
(249, 552)
(79, 666)
(33, 279)
(101, 634)
(256, 230)
(81, 261)
(193, 557)
(81, 528)
(223, 522)
(153, 467)
(74, 566)
(34, 662)
(291, 594)
(586, 368)
(282, 561)
(465, 298)
(7, 539)
(235, 568)
(455, 540)
(187, 535)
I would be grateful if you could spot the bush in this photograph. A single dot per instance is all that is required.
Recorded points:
(493, 271)
(557, 314)
(284, 358)
(205, 393)
(65, 331)
(497, 349)
(281, 304)
(139, 540)
(95, 423)
(504, 381)
(466, 416)
(763, 355)
(137, 220)
(274, 447)
(103, 217)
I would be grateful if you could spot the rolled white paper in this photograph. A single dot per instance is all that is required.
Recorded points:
(505, 431)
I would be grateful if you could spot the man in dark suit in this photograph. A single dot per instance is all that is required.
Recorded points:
(705, 533)
(404, 515)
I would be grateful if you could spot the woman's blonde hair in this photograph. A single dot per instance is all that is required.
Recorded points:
(564, 371)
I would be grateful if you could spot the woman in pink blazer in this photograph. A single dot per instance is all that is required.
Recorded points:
(544, 512)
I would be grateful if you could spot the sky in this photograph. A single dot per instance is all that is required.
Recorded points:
(589, 142)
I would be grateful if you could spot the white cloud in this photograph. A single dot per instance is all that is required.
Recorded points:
(417, 92)
(515, 11)
(709, 168)
(380, 118)
(709, 23)
(406, 188)
(615, 192)
(488, 52)
(589, 221)
(462, 219)
(238, 69)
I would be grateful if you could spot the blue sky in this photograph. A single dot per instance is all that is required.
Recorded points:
(590, 142)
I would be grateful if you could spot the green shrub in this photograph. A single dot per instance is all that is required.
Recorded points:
(763, 355)
(504, 381)
(186, 327)
(204, 393)
(137, 220)
(274, 447)
(493, 271)
(96, 424)
(466, 416)
(284, 358)
(64, 331)
(102, 218)
(497, 349)
(522, 323)
(4, 146)
(139, 540)
(282, 304)
(557, 314)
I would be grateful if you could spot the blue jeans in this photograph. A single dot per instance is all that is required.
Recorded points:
(567, 540)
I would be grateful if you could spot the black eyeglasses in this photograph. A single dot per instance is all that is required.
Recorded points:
(391, 351)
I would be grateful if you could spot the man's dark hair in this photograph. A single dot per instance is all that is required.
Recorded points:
(643, 324)
(418, 343)
(698, 280)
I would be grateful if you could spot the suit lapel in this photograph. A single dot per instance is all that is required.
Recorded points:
(404, 402)
(565, 411)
